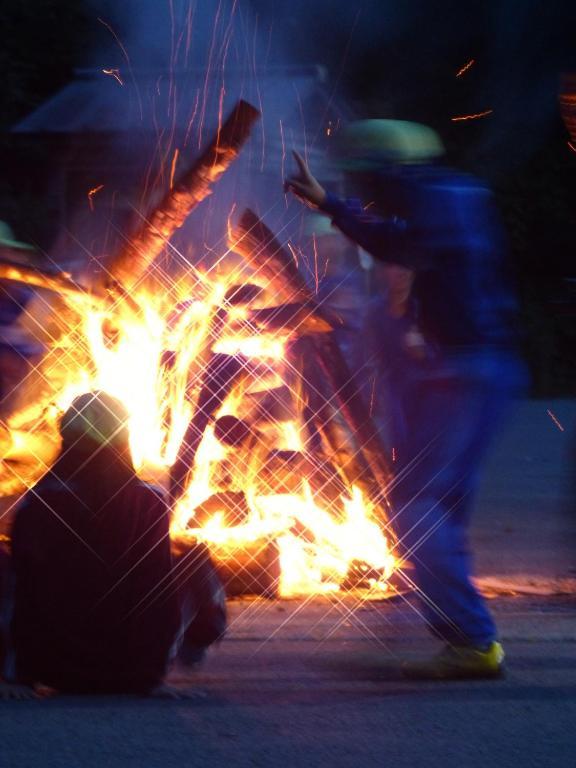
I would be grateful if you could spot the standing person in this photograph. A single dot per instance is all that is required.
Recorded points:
(441, 225)
(98, 604)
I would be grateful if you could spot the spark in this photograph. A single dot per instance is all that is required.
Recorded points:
(301, 109)
(294, 253)
(115, 36)
(472, 117)
(572, 147)
(173, 168)
(115, 73)
(91, 194)
(465, 68)
(283, 160)
(316, 278)
(372, 395)
(329, 129)
(555, 420)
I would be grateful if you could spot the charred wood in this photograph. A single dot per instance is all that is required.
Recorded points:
(222, 374)
(192, 188)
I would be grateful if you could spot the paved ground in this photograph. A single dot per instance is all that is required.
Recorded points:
(316, 683)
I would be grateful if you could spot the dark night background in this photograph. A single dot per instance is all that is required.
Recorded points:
(386, 59)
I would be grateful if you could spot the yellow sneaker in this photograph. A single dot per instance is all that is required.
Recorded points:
(459, 662)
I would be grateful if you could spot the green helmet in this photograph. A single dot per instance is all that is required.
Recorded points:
(96, 418)
(8, 240)
(365, 145)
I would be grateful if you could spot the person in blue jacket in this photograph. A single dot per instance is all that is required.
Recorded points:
(457, 368)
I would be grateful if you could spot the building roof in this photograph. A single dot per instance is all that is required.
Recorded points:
(297, 107)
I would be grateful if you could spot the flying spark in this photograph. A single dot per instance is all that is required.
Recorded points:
(115, 73)
(91, 194)
(465, 68)
(173, 169)
(555, 420)
(472, 117)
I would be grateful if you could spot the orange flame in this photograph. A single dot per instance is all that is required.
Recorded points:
(124, 351)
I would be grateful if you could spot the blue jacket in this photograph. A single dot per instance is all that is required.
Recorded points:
(444, 226)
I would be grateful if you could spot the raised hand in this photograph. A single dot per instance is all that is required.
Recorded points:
(304, 185)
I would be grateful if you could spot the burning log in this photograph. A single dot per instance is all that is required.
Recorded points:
(352, 406)
(59, 282)
(284, 471)
(270, 406)
(232, 431)
(231, 505)
(222, 374)
(245, 566)
(195, 185)
(243, 295)
(253, 240)
(248, 568)
(339, 439)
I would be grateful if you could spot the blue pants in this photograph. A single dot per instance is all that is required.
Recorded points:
(451, 411)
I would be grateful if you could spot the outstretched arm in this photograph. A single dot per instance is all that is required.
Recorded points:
(382, 238)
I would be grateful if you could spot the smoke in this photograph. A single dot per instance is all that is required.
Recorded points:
(167, 71)
(159, 86)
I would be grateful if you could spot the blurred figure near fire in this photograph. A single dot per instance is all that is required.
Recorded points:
(341, 282)
(17, 347)
(99, 603)
(387, 335)
(451, 342)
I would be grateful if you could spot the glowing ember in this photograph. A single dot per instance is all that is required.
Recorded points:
(555, 420)
(173, 167)
(474, 116)
(91, 194)
(465, 68)
(115, 73)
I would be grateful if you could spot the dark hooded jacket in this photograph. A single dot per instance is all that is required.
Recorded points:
(95, 608)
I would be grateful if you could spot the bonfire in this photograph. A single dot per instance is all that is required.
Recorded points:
(241, 404)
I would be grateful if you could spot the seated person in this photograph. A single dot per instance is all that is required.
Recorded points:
(99, 606)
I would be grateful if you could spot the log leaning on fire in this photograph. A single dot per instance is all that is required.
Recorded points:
(255, 242)
(132, 261)
(222, 374)
(252, 240)
(299, 318)
(59, 282)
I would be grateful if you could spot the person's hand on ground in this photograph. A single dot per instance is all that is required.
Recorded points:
(304, 185)
(176, 693)
(16, 692)
(44, 691)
